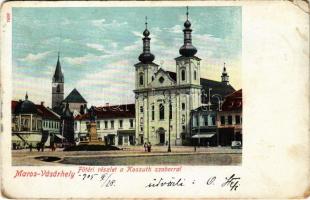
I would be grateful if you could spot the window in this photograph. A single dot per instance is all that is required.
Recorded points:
(112, 124)
(183, 119)
(170, 111)
(98, 124)
(106, 124)
(222, 120)
(237, 119)
(121, 123)
(230, 120)
(131, 123)
(153, 112)
(183, 106)
(161, 79)
(152, 78)
(183, 128)
(183, 75)
(205, 119)
(141, 128)
(213, 120)
(58, 88)
(141, 109)
(141, 79)
(161, 112)
(195, 75)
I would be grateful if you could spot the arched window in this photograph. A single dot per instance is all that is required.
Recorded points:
(183, 75)
(141, 79)
(153, 112)
(195, 75)
(58, 88)
(161, 111)
(152, 78)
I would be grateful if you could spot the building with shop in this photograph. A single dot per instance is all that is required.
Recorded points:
(230, 119)
(115, 125)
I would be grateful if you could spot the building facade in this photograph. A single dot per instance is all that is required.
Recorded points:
(230, 119)
(164, 100)
(115, 125)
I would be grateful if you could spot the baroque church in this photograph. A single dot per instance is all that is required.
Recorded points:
(164, 100)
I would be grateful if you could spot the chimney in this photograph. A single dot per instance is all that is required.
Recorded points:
(107, 104)
(42, 103)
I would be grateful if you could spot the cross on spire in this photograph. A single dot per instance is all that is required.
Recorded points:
(26, 97)
(145, 22)
(58, 54)
(187, 12)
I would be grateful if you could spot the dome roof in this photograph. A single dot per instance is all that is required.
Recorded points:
(187, 24)
(146, 57)
(188, 50)
(26, 107)
(146, 33)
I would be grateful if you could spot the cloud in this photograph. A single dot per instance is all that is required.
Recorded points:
(103, 24)
(114, 84)
(175, 29)
(35, 57)
(98, 47)
(40, 91)
(136, 33)
(84, 59)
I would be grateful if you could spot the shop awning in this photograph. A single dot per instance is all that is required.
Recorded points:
(203, 135)
(60, 136)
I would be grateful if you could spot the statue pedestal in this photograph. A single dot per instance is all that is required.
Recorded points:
(92, 132)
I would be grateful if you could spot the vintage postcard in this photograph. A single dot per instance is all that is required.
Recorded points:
(155, 99)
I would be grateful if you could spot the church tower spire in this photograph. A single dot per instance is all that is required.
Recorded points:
(187, 50)
(57, 86)
(225, 77)
(146, 56)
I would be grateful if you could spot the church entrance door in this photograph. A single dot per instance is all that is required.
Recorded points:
(161, 132)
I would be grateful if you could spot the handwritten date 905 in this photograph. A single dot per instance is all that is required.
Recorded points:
(105, 179)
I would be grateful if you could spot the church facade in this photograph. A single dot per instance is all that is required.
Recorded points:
(164, 99)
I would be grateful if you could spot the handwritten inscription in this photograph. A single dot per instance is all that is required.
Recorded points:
(232, 182)
(105, 177)
(173, 182)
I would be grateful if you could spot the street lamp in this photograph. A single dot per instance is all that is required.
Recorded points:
(219, 109)
(169, 115)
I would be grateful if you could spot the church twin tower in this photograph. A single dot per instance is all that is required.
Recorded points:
(164, 99)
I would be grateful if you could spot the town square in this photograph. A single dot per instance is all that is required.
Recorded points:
(169, 97)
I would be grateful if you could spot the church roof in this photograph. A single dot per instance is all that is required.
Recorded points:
(217, 87)
(75, 97)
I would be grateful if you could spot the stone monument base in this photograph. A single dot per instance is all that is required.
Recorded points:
(93, 137)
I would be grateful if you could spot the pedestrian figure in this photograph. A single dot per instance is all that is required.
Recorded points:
(145, 146)
(30, 147)
(149, 146)
(38, 147)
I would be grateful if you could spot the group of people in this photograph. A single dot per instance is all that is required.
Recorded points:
(147, 147)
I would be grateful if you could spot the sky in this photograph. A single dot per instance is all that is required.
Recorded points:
(99, 47)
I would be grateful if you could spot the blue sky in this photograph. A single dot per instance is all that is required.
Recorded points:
(99, 46)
